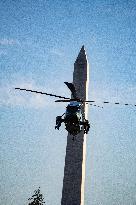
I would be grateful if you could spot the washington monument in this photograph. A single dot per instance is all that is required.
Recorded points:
(74, 170)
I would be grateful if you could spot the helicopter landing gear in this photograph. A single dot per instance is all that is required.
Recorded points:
(86, 127)
(58, 122)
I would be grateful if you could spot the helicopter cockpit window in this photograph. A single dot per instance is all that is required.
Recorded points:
(72, 109)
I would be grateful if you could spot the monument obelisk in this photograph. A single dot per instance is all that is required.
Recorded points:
(74, 171)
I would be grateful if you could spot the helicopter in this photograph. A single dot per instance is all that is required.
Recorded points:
(74, 116)
(73, 119)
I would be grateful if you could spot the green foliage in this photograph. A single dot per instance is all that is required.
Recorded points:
(37, 198)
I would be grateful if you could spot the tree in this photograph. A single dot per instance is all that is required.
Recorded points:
(37, 198)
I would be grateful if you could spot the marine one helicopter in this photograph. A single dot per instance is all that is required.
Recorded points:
(73, 117)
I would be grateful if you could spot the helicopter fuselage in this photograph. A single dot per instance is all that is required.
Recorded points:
(73, 112)
(73, 119)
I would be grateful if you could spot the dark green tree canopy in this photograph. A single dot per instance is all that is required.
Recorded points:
(37, 198)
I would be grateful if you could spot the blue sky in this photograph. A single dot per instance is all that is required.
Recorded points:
(39, 42)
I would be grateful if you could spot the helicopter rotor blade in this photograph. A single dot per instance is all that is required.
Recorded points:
(39, 92)
(65, 99)
(70, 100)
(114, 103)
(118, 103)
(95, 105)
(93, 101)
(77, 100)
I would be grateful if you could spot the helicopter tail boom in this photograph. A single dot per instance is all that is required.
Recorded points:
(72, 89)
